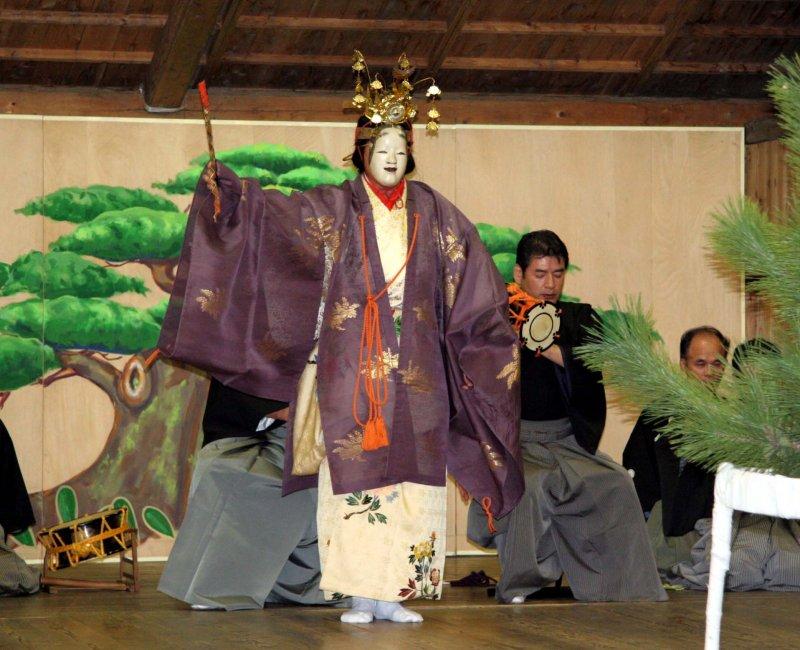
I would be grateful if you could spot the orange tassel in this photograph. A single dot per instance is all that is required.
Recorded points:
(370, 361)
(375, 435)
(486, 504)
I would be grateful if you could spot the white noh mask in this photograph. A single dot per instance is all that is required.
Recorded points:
(388, 157)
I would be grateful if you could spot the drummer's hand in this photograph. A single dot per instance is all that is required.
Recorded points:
(554, 354)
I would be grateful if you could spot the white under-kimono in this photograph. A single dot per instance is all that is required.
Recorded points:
(387, 543)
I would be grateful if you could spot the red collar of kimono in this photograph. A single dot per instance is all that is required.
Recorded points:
(519, 304)
(388, 197)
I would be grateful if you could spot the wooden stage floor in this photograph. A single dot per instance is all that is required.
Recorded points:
(465, 618)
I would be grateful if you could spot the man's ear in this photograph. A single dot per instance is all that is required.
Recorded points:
(517, 274)
(683, 364)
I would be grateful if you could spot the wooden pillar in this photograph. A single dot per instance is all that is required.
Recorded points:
(768, 181)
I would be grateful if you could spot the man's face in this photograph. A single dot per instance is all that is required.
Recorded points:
(543, 279)
(704, 358)
(387, 157)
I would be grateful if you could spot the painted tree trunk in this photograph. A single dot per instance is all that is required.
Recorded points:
(149, 455)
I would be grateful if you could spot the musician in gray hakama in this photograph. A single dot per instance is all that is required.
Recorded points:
(580, 515)
(241, 544)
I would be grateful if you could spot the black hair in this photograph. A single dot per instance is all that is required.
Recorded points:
(541, 243)
(750, 348)
(688, 336)
(358, 158)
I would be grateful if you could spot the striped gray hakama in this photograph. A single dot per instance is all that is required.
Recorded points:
(765, 554)
(16, 577)
(242, 544)
(580, 517)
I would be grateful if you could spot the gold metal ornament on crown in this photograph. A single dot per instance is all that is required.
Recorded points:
(395, 105)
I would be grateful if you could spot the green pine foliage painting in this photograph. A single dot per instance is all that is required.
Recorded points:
(753, 419)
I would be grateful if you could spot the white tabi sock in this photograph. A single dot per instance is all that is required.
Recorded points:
(395, 612)
(363, 611)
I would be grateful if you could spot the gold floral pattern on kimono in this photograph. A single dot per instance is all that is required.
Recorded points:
(416, 378)
(495, 460)
(270, 348)
(388, 360)
(350, 446)
(343, 310)
(372, 503)
(451, 288)
(452, 246)
(423, 315)
(425, 580)
(320, 232)
(510, 371)
(211, 302)
(317, 234)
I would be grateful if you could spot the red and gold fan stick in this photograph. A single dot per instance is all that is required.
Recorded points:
(211, 171)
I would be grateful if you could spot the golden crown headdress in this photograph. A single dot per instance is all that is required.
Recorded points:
(390, 106)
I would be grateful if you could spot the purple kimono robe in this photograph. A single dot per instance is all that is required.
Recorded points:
(245, 308)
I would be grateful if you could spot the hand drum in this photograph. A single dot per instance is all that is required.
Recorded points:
(540, 329)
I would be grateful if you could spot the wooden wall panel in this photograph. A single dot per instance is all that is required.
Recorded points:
(631, 205)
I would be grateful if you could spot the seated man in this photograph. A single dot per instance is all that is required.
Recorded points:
(579, 515)
(242, 544)
(674, 493)
(677, 496)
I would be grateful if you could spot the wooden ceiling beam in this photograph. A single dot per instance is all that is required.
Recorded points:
(711, 67)
(315, 23)
(243, 104)
(186, 38)
(344, 61)
(56, 55)
(684, 12)
(85, 18)
(540, 65)
(454, 25)
(744, 31)
(316, 60)
(312, 23)
(520, 28)
(223, 41)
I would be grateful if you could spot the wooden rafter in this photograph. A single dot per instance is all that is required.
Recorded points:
(187, 36)
(711, 67)
(58, 55)
(223, 40)
(685, 11)
(316, 23)
(520, 28)
(540, 65)
(85, 18)
(744, 31)
(460, 109)
(343, 61)
(317, 60)
(454, 25)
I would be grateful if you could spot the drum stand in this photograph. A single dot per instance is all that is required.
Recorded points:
(128, 572)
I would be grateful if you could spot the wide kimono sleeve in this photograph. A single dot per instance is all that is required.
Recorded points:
(482, 358)
(583, 387)
(247, 290)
